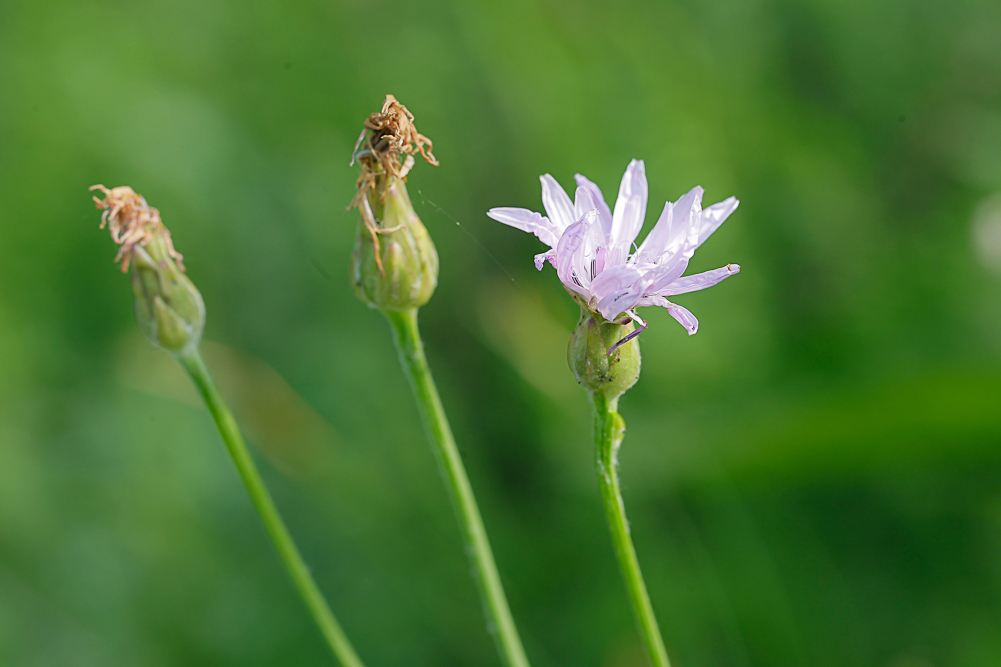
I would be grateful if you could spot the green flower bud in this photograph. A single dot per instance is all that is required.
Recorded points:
(169, 308)
(394, 265)
(597, 370)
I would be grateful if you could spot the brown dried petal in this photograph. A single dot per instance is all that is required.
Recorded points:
(131, 222)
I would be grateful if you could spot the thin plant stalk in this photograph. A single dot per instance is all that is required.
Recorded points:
(411, 350)
(332, 632)
(608, 432)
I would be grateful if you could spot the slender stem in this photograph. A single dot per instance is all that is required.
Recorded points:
(500, 622)
(297, 569)
(608, 432)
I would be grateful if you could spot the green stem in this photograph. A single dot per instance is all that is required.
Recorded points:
(608, 431)
(297, 569)
(501, 624)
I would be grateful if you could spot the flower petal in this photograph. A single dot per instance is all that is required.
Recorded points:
(656, 240)
(557, 203)
(684, 317)
(583, 203)
(604, 215)
(540, 259)
(700, 281)
(618, 289)
(714, 216)
(621, 245)
(630, 206)
(680, 313)
(677, 227)
(613, 284)
(528, 221)
(569, 256)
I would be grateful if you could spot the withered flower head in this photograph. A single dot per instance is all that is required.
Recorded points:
(132, 223)
(394, 265)
(387, 134)
(169, 309)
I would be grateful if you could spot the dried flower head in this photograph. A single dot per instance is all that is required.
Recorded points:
(169, 308)
(132, 222)
(386, 136)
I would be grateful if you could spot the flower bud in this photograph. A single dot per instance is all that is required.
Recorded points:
(169, 309)
(394, 265)
(602, 355)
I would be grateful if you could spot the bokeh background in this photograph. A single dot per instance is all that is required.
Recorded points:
(813, 479)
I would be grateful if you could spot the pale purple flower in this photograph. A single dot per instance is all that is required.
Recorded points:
(594, 252)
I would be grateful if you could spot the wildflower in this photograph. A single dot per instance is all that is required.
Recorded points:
(169, 308)
(394, 268)
(593, 248)
(171, 313)
(394, 265)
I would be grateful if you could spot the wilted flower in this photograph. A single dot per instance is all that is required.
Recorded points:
(169, 308)
(593, 248)
(132, 222)
(394, 265)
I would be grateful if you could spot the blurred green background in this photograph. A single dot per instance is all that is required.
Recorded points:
(813, 479)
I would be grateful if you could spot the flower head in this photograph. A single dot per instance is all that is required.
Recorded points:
(132, 223)
(387, 134)
(394, 265)
(169, 308)
(593, 249)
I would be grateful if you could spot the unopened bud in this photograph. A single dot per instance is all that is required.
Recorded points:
(602, 355)
(169, 309)
(394, 265)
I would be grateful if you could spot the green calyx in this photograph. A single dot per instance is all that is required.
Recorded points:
(169, 308)
(588, 355)
(394, 265)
